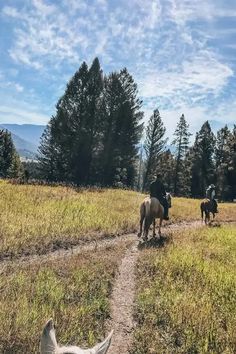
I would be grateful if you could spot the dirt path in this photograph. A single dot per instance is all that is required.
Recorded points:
(65, 253)
(88, 246)
(122, 298)
(122, 301)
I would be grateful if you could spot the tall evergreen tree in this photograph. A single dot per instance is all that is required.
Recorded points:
(222, 160)
(202, 165)
(181, 143)
(68, 144)
(122, 129)
(10, 165)
(154, 146)
(49, 169)
(222, 146)
(167, 167)
(232, 164)
(93, 136)
(94, 120)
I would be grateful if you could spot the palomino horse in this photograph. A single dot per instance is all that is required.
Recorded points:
(48, 344)
(207, 207)
(150, 210)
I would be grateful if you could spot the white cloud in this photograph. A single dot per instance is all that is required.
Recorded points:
(171, 61)
(198, 75)
(21, 115)
(19, 87)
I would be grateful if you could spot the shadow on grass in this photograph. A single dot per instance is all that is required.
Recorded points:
(155, 242)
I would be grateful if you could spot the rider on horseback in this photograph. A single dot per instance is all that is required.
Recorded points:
(157, 190)
(210, 194)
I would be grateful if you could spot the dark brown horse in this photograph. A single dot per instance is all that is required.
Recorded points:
(208, 206)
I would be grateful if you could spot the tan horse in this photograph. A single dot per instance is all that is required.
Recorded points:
(207, 207)
(150, 210)
(48, 344)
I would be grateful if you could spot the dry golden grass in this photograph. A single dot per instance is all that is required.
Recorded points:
(74, 291)
(35, 219)
(186, 294)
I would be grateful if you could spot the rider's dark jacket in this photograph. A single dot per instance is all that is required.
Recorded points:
(157, 190)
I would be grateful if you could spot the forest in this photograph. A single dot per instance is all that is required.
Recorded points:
(97, 138)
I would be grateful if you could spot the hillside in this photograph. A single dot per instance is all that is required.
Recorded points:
(29, 132)
(26, 138)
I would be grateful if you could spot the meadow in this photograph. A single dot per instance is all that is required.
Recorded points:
(74, 292)
(185, 290)
(37, 219)
(186, 294)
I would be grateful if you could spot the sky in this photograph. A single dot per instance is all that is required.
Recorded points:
(181, 53)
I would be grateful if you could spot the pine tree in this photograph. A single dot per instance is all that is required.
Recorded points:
(222, 160)
(122, 130)
(92, 127)
(62, 146)
(181, 143)
(203, 165)
(10, 165)
(67, 146)
(154, 146)
(232, 165)
(94, 135)
(167, 168)
(48, 155)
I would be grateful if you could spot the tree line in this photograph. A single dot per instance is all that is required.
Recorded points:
(188, 170)
(96, 138)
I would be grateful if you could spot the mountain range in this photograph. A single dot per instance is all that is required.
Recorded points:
(26, 138)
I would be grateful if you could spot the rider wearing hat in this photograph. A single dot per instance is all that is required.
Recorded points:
(210, 194)
(157, 190)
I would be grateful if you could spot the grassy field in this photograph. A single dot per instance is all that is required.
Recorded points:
(186, 294)
(75, 294)
(34, 219)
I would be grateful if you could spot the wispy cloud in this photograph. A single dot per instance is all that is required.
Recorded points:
(166, 45)
(9, 114)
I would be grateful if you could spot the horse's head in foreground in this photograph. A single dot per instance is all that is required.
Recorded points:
(48, 344)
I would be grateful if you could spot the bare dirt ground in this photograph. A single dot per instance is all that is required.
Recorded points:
(122, 301)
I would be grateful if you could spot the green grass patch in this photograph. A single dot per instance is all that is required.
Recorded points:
(73, 291)
(35, 219)
(186, 294)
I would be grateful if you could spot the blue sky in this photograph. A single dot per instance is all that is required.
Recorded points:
(181, 53)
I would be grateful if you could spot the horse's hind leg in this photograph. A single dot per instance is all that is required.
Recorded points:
(141, 226)
(147, 224)
(154, 227)
(207, 217)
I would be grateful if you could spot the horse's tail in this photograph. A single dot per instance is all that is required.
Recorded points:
(147, 215)
(201, 207)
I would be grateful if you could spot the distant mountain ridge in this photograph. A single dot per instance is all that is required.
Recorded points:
(28, 132)
(26, 138)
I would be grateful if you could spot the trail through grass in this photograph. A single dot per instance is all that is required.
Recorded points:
(37, 219)
(74, 291)
(186, 294)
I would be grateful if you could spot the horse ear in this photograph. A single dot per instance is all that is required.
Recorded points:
(102, 348)
(48, 343)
